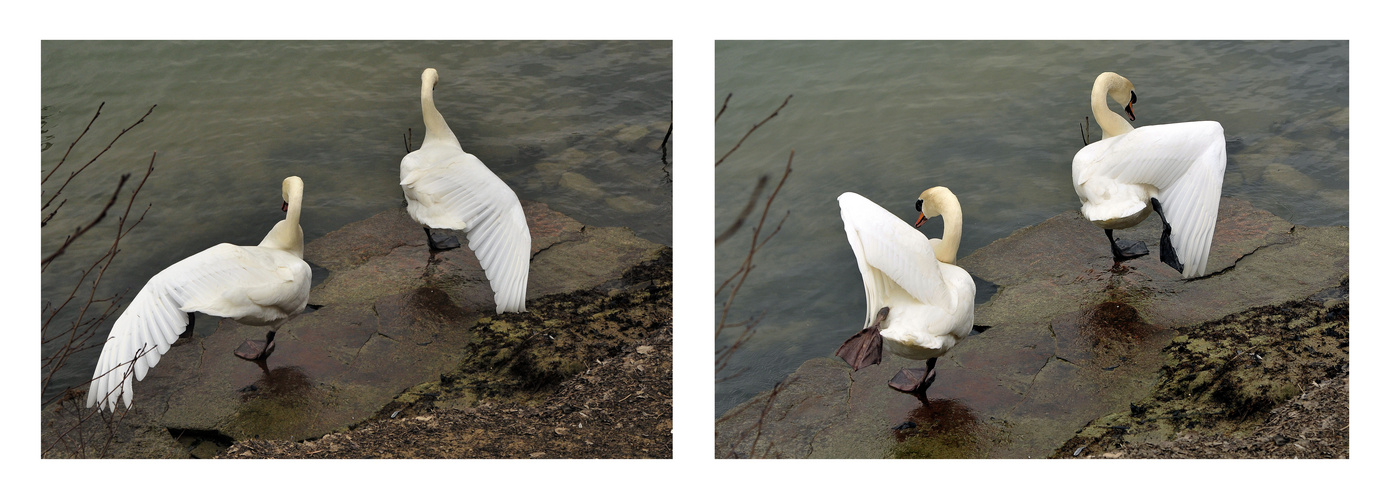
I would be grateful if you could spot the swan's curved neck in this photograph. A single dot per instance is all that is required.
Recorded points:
(287, 235)
(945, 204)
(436, 130)
(1112, 124)
(951, 233)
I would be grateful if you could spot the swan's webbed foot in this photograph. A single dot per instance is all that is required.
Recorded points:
(257, 350)
(915, 381)
(1123, 250)
(866, 347)
(1167, 254)
(440, 243)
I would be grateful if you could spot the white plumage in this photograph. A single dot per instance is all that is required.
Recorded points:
(262, 285)
(447, 188)
(931, 301)
(1179, 164)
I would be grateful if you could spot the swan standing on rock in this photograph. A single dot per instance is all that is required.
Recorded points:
(447, 188)
(916, 298)
(262, 285)
(1174, 170)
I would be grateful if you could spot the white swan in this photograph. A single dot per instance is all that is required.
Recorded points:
(916, 298)
(447, 188)
(1174, 170)
(262, 285)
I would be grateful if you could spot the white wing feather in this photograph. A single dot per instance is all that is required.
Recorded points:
(1184, 162)
(451, 189)
(253, 285)
(891, 254)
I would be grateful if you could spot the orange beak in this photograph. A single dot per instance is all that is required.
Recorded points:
(921, 219)
(284, 206)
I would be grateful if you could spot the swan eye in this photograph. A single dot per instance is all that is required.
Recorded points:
(1133, 100)
(919, 205)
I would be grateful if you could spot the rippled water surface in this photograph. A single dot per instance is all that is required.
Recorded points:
(576, 125)
(998, 123)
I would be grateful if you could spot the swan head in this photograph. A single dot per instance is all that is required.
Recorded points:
(930, 203)
(430, 77)
(290, 189)
(1120, 90)
(940, 201)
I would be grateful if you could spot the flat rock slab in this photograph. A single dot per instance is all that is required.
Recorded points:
(386, 324)
(1072, 339)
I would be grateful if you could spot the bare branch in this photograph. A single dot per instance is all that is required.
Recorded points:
(750, 132)
(78, 431)
(666, 139)
(45, 220)
(723, 106)
(743, 214)
(83, 229)
(74, 143)
(94, 158)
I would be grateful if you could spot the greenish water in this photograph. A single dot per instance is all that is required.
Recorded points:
(576, 125)
(998, 123)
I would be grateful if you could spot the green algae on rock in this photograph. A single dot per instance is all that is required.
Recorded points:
(524, 358)
(1223, 378)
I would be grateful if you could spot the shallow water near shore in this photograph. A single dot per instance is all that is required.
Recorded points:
(575, 125)
(998, 123)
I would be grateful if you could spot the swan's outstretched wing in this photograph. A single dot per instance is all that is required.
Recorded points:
(1185, 162)
(891, 254)
(459, 192)
(253, 285)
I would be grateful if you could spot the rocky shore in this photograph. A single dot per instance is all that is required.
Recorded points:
(1089, 361)
(394, 342)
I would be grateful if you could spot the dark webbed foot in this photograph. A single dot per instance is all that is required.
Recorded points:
(256, 350)
(908, 380)
(915, 381)
(440, 243)
(1123, 250)
(1167, 254)
(866, 347)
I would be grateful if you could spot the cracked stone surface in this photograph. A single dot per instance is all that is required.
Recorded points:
(1071, 340)
(387, 323)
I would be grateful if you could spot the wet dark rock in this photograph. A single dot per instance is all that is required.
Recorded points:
(1073, 340)
(386, 324)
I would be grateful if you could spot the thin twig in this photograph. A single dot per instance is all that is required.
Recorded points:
(743, 214)
(83, 229)
(94, 158)
(670, 114)
(74, 143)
(44, 222)
(750, 132)
(754, 245)
(723, 106)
